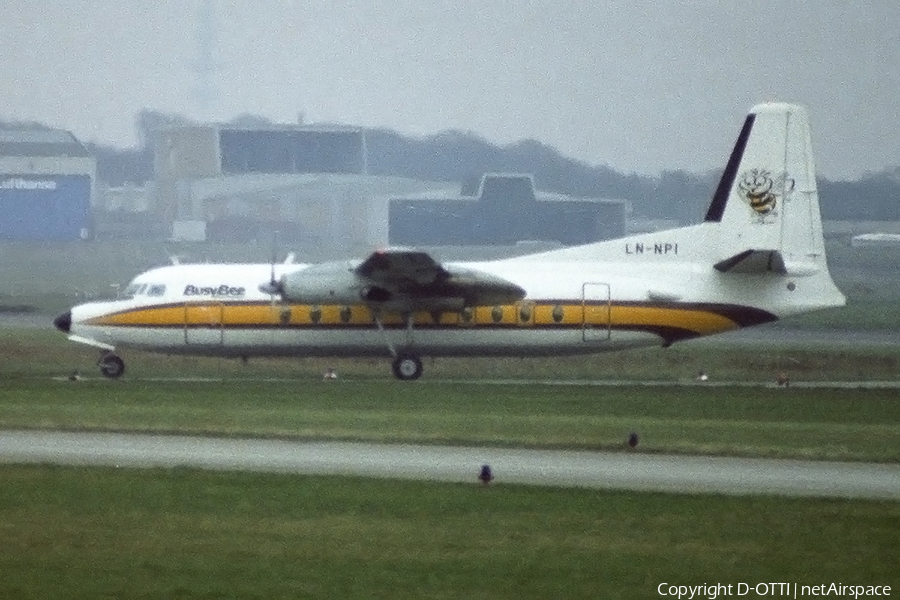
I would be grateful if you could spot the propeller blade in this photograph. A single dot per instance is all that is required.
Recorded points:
(272, 281)
(273, 287)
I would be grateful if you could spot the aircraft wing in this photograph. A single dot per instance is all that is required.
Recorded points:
(401, 267)
(412, 280)
(398, 280)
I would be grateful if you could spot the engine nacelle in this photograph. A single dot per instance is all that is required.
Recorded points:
(449, 289)
(320, 286)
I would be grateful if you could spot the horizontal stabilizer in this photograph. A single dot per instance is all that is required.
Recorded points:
(766, 261)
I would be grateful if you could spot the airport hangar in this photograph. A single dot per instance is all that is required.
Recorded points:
(311, 185)
(308, 184)
(46, 186)
(506, 209)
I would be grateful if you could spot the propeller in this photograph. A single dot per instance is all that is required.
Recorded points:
(273, 286)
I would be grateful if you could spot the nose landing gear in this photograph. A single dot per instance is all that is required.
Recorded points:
(111, 365)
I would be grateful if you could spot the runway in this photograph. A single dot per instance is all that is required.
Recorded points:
(597, 470)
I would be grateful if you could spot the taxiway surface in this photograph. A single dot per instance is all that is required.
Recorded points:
(600, 470)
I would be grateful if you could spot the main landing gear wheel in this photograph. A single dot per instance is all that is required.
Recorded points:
(111, 366)
(407, 367)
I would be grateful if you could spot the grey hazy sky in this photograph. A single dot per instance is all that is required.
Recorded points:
(640, 86)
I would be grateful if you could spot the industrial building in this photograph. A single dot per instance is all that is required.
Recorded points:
(506, 210)
(307, 184)
(46, 186)
(308, 187)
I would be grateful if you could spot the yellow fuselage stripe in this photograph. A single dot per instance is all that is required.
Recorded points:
(699, 321)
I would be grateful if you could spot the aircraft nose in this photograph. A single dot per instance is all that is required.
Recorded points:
(64, 321)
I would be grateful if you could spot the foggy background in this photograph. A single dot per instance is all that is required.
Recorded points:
(636, 103)
(638, 86)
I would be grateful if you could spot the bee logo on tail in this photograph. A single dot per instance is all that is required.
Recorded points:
(762, 190)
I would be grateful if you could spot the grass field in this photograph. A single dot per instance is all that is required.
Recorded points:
(70, 532)
(103, 533)
(458, 404)
(854, 424)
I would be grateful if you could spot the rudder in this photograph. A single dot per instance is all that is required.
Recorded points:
(766, 202)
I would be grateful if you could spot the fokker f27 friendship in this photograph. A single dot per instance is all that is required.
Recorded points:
(758, 256)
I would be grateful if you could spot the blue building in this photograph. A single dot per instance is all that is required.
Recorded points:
(46, 186)
(505, 210)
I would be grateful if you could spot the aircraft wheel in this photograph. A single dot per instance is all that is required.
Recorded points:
(407, 367)
(111, 366)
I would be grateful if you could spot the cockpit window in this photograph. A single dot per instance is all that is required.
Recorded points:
(134, 289)
(156, 290)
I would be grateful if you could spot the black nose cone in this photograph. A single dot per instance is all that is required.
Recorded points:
(64, 321)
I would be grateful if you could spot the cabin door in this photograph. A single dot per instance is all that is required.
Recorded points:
(203, 324)
(595, 312)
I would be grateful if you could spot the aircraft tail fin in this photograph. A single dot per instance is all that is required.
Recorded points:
(763, 220)
(766, 203)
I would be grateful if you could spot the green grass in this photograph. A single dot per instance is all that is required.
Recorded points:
(454, 405)
(846, 424)
(95, 533)
(860, 313)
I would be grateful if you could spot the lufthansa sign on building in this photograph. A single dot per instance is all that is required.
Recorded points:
(19, 183)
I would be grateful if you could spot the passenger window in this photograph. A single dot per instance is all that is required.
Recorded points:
(497, 314)
(557, 313)
(156, 290)
(525, 313)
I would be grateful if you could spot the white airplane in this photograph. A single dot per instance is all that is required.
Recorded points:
(758, 256)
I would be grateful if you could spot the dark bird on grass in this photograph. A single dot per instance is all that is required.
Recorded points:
(485, 475)
(74, 375)
(632, 440)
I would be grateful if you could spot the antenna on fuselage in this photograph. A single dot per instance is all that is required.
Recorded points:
(173, 258)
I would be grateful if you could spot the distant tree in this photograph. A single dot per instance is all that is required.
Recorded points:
(681, 195)
(5, 124)
(446, 156)
(463, 157)
(148, 121)
(873, 197)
